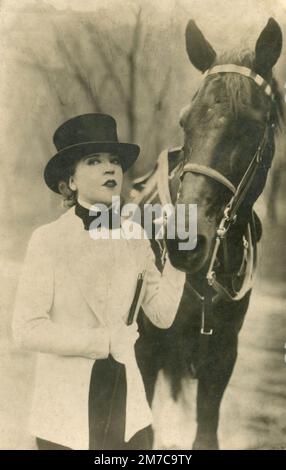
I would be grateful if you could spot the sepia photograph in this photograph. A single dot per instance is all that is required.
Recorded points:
(143, 225)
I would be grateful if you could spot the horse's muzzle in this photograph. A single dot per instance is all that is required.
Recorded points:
(188, 260)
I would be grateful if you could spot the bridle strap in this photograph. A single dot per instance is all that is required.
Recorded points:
(241, 70)
(248, 176)
(210, 172)
(247, 283)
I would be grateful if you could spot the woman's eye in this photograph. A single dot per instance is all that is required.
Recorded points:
(116, 161)
(93, 161)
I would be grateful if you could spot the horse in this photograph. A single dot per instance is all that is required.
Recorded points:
(229, 129)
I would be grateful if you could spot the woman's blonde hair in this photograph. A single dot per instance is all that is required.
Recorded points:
(69, 196)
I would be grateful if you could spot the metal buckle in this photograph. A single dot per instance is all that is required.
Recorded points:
(210, 278)
(207, 333)
(226, 213)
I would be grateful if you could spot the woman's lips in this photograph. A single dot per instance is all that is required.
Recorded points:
(110, 183)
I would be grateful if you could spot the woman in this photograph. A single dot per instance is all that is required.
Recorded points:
(74, 296)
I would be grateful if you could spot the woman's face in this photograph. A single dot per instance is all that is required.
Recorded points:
(98, 178)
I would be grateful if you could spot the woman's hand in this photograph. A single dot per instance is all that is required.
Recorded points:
(122, 340)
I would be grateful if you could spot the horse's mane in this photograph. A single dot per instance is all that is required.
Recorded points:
(239, 87)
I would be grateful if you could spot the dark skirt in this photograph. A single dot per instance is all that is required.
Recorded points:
(107, 410)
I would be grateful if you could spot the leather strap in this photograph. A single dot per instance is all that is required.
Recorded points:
(163, 178)
(205, 170)
(248, 276)
(241, 70)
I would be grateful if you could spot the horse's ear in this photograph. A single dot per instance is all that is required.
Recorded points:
(268, 47)
(200, 52)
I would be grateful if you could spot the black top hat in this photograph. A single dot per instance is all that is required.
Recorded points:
(82, 136)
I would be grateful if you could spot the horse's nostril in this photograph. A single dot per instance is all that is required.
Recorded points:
(188, 260)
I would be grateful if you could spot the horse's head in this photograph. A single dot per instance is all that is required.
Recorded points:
(233, 111)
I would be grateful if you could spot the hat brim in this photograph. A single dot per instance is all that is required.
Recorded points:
(56, 168)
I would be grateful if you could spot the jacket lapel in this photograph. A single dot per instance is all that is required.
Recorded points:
(84, 258)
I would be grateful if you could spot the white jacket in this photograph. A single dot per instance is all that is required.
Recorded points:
(72, 288)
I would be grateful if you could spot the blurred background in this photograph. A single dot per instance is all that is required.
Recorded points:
(60, 58)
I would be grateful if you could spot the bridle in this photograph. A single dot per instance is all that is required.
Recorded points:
(231, 209)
